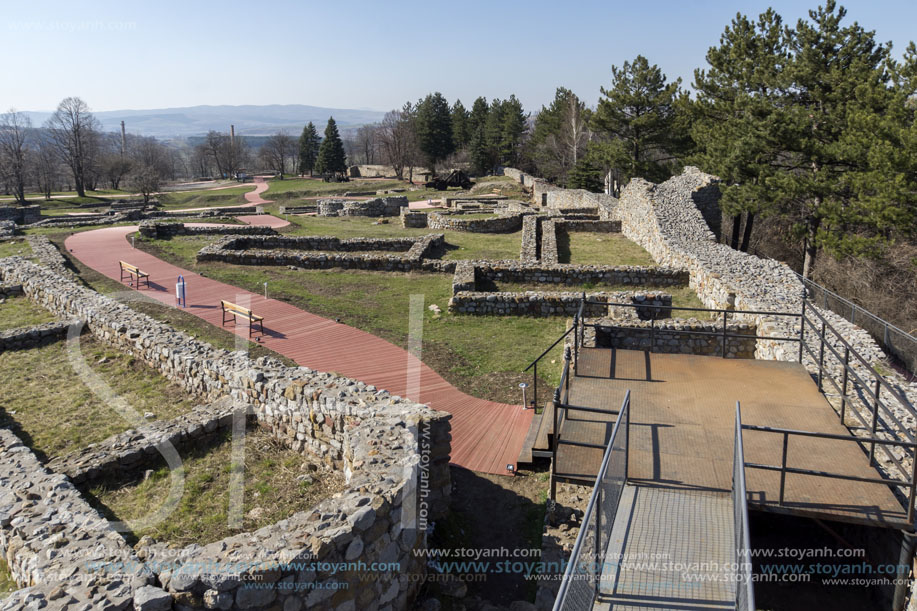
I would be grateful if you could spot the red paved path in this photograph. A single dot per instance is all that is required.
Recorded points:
(486, 436)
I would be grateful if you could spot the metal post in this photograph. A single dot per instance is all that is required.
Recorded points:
(913, 493)
(554, 438)
(802, 325)
(844, 386)
(786, 441)
(905, 559)
(875, 419)
(535, 385)
(653, 335)
(724, 334)
(821, 357)
(598, 536)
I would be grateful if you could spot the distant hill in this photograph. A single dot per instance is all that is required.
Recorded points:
(249, 120)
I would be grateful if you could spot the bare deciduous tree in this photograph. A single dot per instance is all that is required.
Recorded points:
(398, 140)
(277, 150)
(14, 150)
(74, 131)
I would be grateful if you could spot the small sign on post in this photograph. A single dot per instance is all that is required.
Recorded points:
(180, 295)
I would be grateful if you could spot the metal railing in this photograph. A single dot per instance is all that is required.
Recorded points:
(745, 594)
(783, 468)
(534, 364)
(723, 333)
(583, 576)
(893, 339)
(872, 402)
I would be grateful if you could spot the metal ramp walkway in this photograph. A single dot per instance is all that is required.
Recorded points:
(669, 548)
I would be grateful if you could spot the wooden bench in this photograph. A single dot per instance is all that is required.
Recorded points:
(133, 272)
(236, 311)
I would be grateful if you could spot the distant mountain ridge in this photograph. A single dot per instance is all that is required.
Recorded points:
(250, 120)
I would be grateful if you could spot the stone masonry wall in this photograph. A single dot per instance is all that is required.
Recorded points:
(163, 231)
(674, 336)
(500, 224)
(548, 303)
(415, 253)
(379, 206)
(571, 275)
(31, 337)
(531, 238)
(376, 439)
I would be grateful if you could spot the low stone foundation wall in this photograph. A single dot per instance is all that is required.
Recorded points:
(305, 209)
(531, 238)
(32, 337)
(672, 336)
(48, 255)
(122, 455)
(571, 275)
(547, 303)
(51, 539)
(7, 229)
(413, 219)
(394, 454)
(20, 215)
(509, 223)
(416, 254)
(551, 226)
(163, 231)
(379, 206)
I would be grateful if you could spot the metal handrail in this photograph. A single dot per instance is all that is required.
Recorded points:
(591, 512)
(783, 469)
(744, 584)
(534, 364)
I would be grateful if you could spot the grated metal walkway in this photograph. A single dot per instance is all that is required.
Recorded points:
(670, 548)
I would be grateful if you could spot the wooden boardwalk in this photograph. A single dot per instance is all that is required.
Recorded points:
(682, 432)
(486, 436)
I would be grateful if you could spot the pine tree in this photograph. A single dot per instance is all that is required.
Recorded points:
(739, 122)
(513, 128)
(640, 110)
(331, 157)
(309, 143)
(586, 175)
(477, 118)
(434, 129)
(461, 128)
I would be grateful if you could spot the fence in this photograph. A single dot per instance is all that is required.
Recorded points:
(745, 594)
(583, 577)
(894, 340)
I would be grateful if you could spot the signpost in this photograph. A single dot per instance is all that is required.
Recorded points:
(180, 295)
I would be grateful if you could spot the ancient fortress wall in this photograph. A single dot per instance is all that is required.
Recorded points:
(394, 454)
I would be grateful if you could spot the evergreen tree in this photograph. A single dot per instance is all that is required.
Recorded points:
(331, 157)
(560, 135)
(480, 153)
(434, 129)
(739, 121)
(477, 118)
(640, 110)
(461, 126)
(309, 143)
(587, 174)
(513, 128)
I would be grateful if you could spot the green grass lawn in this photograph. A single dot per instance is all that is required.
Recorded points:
(205, 198)
(175, 317)
(16, 312)
(7, 585)
(482, 355)
(278, 482)
(9, 248)
(54, 412)
(593, 248)
(297, 188)
(459, 244)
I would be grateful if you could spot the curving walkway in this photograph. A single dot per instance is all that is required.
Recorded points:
(486, 436)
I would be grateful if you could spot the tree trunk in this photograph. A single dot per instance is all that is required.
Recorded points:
(811, 247)
(746, 234)
(736, 228)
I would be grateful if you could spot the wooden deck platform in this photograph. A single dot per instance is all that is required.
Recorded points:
(682, 432)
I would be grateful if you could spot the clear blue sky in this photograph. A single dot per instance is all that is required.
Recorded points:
(362, 54)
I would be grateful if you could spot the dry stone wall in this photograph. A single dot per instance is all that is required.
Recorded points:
(394, 454)
(552, 303)
(415, 254)
(379, 206)
(20, 215)
(508, 223)
(7, 229)
(162, 231)
(32, 337)
(675, 336)
(577, 275)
